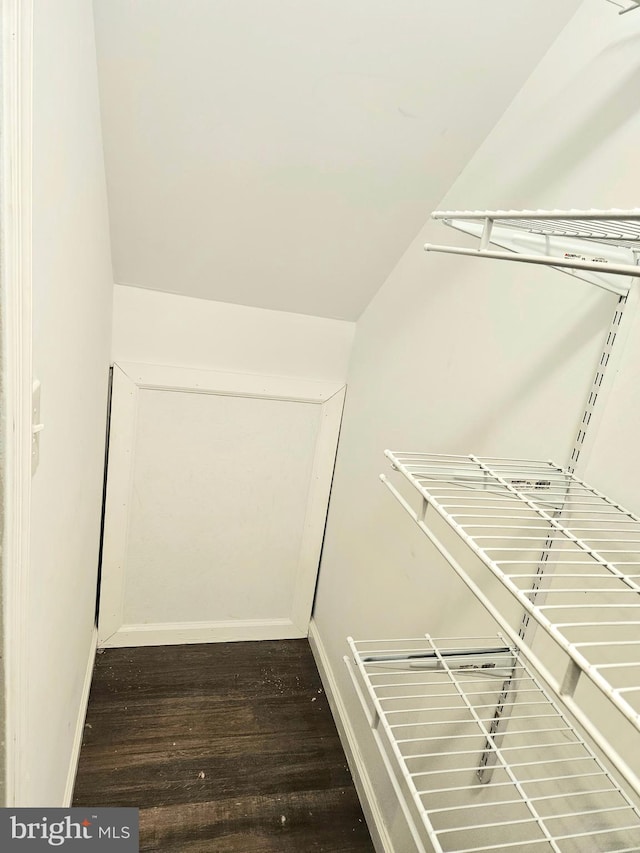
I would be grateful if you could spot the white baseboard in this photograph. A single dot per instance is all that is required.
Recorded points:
(179, 633)
(359, 772)
(82, 714)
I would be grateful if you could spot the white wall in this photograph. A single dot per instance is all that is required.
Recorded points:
(72, 284)
(163, 328)
(460, 356)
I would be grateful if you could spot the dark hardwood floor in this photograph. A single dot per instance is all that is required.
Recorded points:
(225, 748)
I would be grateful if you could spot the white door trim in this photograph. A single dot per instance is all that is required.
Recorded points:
(128, 380)
(15, 290)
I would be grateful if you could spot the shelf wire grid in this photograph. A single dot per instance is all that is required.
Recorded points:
(613, 227)
(598, 246)
(435, 699)
(512, 513)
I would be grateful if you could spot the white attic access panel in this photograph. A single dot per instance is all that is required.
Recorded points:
(217, 494)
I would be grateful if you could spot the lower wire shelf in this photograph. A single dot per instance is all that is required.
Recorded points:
(488, 757)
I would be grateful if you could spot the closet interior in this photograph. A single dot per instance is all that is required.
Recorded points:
(503, 742)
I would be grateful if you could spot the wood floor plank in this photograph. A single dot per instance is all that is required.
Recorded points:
(317, 820)
(225, 748)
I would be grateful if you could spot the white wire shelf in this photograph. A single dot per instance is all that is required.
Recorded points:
(568, 554)
(432, 704)
(598, 246)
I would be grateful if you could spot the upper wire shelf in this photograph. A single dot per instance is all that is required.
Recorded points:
(598, 246)
(568, 554)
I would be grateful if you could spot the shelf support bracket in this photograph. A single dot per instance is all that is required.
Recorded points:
(571, 679)
(485, 240)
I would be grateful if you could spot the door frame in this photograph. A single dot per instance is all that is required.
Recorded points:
(16, 36)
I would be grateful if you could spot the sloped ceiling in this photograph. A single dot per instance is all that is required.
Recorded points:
(283, 153)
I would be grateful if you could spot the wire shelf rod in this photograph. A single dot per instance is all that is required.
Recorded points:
(492, 687)
(497, 494)
(429, 738)
(585, 575)
(474, 751)
(519, 732)
(456, 707)
(383, 668)
(521, 821)
(464, 458)
(470, 806)
(599, 606)
(426, 724)
(547, 797)
(404, 697)
(595, 214)
(556, 262)
(572, 575)
(581, 519)
(568, 503)
(582, 514)
(472, 641)
(513, 765)
(505, 846)
(491, 825)
(453, 789)
(491, 705)
(547, 778)
(446, 653)
(590, 552)
(454, 752)
(598, 624)
(537, 527)
(607, 810)
(527, 782)
(609, 576)
(594, 590)
(432, 696)
(596, 832)
(414, 671)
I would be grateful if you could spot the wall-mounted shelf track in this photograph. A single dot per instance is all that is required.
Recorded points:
(601, 247)
(431, 703)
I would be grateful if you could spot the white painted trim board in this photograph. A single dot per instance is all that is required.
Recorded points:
(15, 289)
(166, 377)
(80, 722)
(179, 633)
(362, 780)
